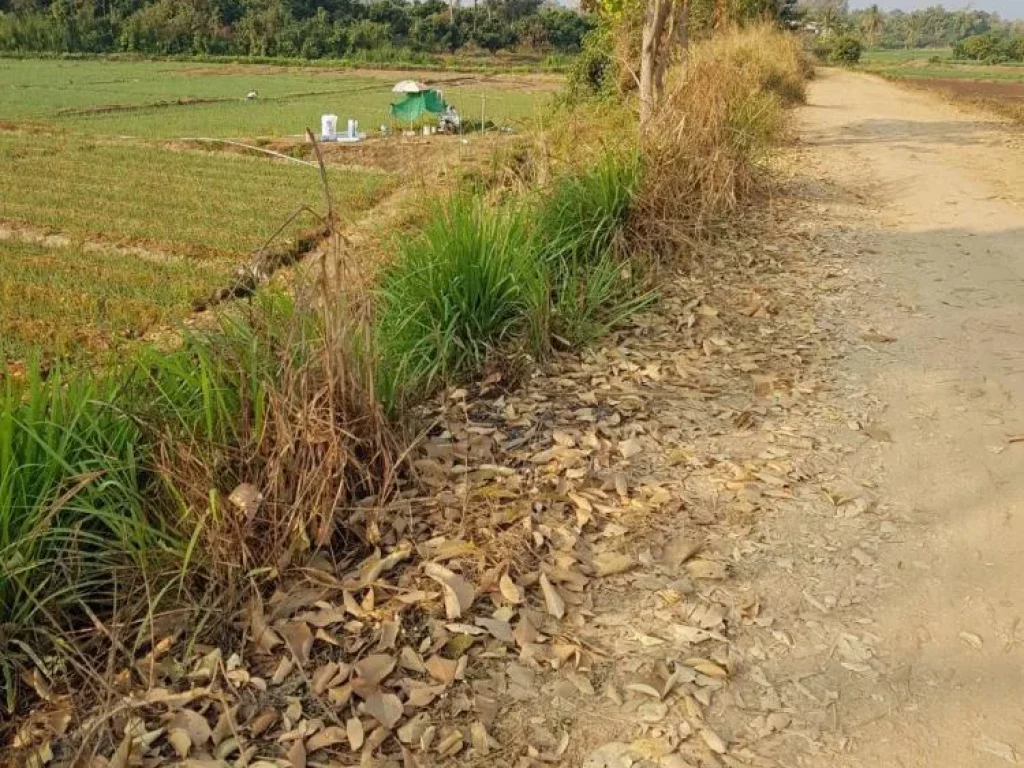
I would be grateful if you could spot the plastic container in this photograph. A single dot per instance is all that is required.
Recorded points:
(329, 127)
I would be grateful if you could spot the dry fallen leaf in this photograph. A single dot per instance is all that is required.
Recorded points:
(611, 563)
(442, 669)
(997, 748)
(247, 500)
(323, 676)
(509, 590)
(411, 660)
(479, 739)
(877, 433)
(263, 721)
(297, 754)
(385, 708)
(375, 668)
(299, 639)
(188, 726)
(630, 448)
(180, 742)
(707, 569)
(552, 600)
(707, 667)
(354, 731)
(972, 640)
(328, 737)
(501, 630)
(713, 740)
(612, 755)
(680, 549)
(123, 752)
(458, 593)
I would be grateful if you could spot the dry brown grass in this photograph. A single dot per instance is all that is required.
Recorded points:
(724, 110)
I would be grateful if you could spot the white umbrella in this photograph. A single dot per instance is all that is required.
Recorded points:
(410, 86)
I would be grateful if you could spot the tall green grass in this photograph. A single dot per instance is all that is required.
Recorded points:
(74, 515)
(527, 274)
(579, 239)
(465, 284)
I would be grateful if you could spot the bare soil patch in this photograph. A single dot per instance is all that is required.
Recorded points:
(983, 89)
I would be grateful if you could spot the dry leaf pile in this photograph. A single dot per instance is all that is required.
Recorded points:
(565, 565)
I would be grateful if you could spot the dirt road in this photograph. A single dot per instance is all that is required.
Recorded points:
(855, 461)
(930, 197)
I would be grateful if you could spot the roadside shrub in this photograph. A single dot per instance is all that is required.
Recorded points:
(845, 50)
(280, 395)
(593, 72)
(990, 47)
(115, 487)
(526, 274)
(579, 236)
(581, 217)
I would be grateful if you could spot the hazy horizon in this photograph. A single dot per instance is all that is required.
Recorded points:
(1008, 9)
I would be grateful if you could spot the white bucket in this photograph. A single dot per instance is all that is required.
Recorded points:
(329, 127)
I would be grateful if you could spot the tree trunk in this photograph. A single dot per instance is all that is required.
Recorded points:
(676, 40)
(652, 50)
(682, 29)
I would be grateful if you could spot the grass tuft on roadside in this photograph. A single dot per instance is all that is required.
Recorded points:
(528, 273)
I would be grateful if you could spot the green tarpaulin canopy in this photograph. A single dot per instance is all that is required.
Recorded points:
(415, 104)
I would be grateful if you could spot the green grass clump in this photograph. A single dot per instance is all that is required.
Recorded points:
(73, 511)
(524, 275)
(578, 236)
(464, 284)
(580, 219)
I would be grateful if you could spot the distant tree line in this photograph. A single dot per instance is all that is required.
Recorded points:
(288, 28)
(933, 27)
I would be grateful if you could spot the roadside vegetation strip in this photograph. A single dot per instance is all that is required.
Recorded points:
(723, 116)
(199, 204)
(270, 436)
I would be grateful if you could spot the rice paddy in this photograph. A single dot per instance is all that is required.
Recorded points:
(112, 221)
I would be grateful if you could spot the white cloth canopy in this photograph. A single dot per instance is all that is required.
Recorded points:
(410, 86)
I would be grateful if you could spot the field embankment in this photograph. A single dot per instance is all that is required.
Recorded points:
(312, 485)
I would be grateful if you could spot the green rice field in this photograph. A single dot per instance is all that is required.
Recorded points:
(938, 64)
(181, 100)
(94, 153)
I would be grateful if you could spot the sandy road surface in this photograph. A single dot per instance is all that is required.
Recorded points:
(933, 196)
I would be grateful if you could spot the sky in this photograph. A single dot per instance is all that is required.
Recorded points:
(1008, 9)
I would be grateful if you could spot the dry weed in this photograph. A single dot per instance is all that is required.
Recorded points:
(723, 112)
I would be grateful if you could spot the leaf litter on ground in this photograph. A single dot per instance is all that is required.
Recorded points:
(573, 536)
